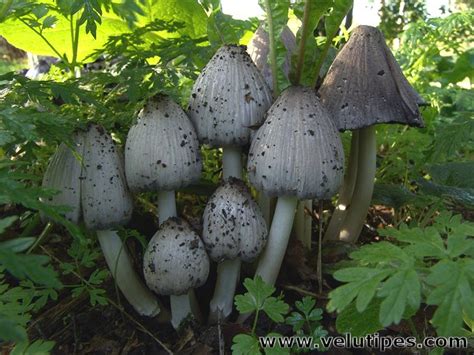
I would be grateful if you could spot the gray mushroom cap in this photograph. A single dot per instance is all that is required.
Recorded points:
(298, 150)
(233, 225)
(259, 50)
(175, 260)
(106, 201)
(63, 173)
(162, 149)
(365, 85)
(229, 97)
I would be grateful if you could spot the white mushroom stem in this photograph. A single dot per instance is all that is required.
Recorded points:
(271, 259)
(364, 187)
(127, 280)
(166, 205)
(180, 308)
(345, 195)
(228, 272)
(303, 223)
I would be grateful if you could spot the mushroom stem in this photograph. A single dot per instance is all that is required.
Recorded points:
(364, 187)
(227, 278)
(180, 308)
(166, 205)
(265, 204)
(303, 223)
(232, 162)
(120, 265)
(272, 257)
(345, 195)
(228, 272)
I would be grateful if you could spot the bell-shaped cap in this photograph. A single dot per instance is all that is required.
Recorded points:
(365, 85)
(162, 149)
(63, 174)
(259, 50)
(106, 201)
(233, 225)
(297, 151)
(175, 260)
(229, 98)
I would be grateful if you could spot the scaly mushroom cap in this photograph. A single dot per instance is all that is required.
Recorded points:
(162, 149)
(297, 151)
(106, 201)
(175, 260)
(233, 225)
(229, 97)
(259, 49)
(63, 174)
(365, 85)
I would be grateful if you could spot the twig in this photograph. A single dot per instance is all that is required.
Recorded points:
(302, 47)
(320, 249)
(304, 292)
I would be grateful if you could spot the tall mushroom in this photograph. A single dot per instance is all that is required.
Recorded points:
(96, 191)
(162, 153)
(174, 263)
(228, 100)
(364, 86)
(297, 154)
(233, 228)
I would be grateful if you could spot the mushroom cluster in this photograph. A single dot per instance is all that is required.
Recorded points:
(295, 153)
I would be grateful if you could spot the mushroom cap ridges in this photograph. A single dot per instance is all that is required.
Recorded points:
(63, 174)
(229, 96)
(365, 85)
(259, 49)
(106, 201)
(175, 260)
(233, 225)
(298, 150)
(162, 149)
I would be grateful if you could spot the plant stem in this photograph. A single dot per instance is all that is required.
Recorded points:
(166, 205)
(345, 194)
(320, 248)
(302, 44)
(254, 326)
(121, 267)
(273, 57)
(180, 308)
(40, 238)
(303, 223)
(221, 304)
(320, 61)
(357, 211)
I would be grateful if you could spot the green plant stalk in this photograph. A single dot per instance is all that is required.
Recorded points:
(273, 57)
(41, 237)
(364, 186)
(4, 9)
(301, 48)
(345, 194)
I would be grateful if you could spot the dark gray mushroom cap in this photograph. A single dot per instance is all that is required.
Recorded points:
(106, 201)
(365, 85)
(229, 97)
(233, 225)
(162, 149)
(298, 150)
(175, 260)
(63, 174)
(259, 49)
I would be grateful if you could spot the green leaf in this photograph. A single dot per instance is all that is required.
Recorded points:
(245, 344)
(400, 290)
(38, 347)
(359, 323)
(18, 245)
(458, 174)
(254, 299)
(7, 222)
(277, 349)
(224, 29)
(275, 309)
(338, 12)
(11, 331)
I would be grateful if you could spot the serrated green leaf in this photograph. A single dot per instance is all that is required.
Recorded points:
(277, 349)
(11, 331)
(245, 344)
(275, 309)
(258, 292)
(359, 324)
(296, 320)
(381, 252)
(306, 305)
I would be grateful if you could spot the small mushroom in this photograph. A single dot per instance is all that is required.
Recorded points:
(94, 188)
(364, 87)
(162, 153)
(233, 228)
(296, 154)
(174, 263)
